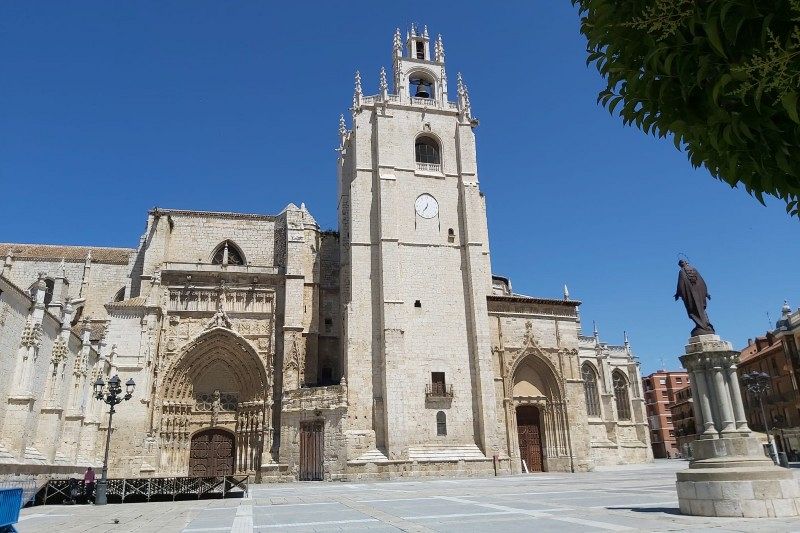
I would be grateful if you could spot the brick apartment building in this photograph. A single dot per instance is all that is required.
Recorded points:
(660, 389)
(682, 411)
(776, 354)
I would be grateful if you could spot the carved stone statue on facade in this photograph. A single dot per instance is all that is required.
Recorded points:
(215, 408)
(694, 293)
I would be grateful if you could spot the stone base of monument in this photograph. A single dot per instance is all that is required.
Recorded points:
(733, 477)
(729, 474)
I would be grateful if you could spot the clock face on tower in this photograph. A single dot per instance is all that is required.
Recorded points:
(426, 206)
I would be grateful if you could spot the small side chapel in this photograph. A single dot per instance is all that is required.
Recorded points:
(262, 345)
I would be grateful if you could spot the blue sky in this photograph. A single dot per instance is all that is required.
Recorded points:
(110, 108)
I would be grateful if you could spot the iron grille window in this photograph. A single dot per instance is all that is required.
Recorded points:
(590, 390)
(621, 395)
(427, 151)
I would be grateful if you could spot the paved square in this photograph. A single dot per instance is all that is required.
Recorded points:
(631, 498)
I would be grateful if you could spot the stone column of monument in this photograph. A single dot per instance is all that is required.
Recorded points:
(729, 474)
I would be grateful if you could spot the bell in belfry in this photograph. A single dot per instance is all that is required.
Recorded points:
(423, 89)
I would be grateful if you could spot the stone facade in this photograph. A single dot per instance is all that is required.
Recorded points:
(386, 349)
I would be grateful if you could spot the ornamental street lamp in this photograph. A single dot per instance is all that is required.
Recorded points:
(758, 384)
(111, 396)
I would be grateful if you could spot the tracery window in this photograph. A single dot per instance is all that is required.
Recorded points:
(621, 395)
(426, 150)
(590, 390)
(228, 253)
(227, 401)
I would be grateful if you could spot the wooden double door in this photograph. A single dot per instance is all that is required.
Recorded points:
(529, 434)
(212, 453)
(311, 451)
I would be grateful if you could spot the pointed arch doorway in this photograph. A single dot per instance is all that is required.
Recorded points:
(529, 435)
(211, 453)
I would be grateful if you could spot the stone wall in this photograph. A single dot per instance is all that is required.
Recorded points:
(43, 388)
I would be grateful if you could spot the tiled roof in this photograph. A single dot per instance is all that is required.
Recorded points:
(117, 256)
(751, 351)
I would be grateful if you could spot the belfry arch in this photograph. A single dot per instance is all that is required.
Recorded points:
(215, 400)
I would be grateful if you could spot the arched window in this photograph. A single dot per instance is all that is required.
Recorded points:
(441, 424)
(49, 287)
(227, 253)
(621, 396)
(120, 295)
(77, 316)
(590, 390)
(426, 150)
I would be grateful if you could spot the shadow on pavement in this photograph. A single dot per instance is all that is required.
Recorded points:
(667, 510)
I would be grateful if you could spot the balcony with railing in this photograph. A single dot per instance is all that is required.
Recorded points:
(438, 391)
(431, 103)
(429, 167)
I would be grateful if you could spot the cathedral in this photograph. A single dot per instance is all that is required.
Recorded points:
(262, 345)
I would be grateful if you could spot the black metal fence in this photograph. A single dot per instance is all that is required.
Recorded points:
(129, 490)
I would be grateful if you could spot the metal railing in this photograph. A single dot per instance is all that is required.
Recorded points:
(122, 490)
(438, 390)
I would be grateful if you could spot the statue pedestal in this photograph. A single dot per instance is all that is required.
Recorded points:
(729, 475)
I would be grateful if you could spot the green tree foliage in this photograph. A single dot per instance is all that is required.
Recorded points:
(721, 76)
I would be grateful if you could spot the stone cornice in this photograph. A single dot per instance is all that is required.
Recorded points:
(217, 214)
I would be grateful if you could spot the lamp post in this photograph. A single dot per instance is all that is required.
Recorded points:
(758, 384)
(111, 396)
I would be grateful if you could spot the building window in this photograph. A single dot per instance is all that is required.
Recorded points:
(621, 395)
(438, 387)
(426, 151)
(441, 424)
(590, 390)
(420, 49)
(77, 317)
(328, 325)
(663, 381)
(120, 295)
(227, 253)
(678, 380)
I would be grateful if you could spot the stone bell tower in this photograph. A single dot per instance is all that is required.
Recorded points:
(415, 266)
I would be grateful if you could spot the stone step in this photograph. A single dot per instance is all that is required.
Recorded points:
(445, 453)
(372, 456)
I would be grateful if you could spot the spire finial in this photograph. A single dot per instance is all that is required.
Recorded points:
(342, 127)
(625, 338)
(425, 31)
(358, 83)
(413, 29)
(397, 44)
(566, 292)
(438, 49)
(383, 85)
(594, 327)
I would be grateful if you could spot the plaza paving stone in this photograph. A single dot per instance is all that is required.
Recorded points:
(625, 498)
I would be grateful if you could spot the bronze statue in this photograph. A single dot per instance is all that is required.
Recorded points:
(694, 293)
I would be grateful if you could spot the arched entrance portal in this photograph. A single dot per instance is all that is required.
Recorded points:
(211, 453)
(215, 407)
(529, 433)
(536, 417)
